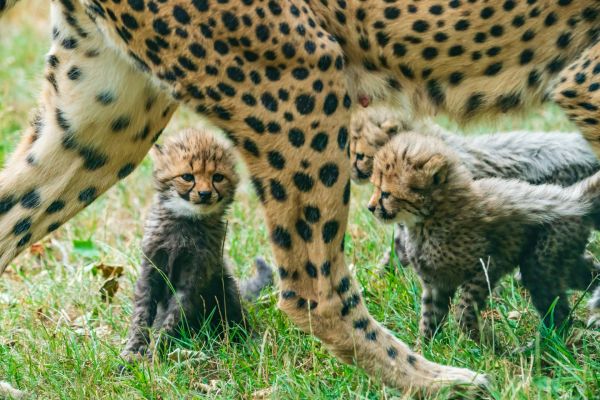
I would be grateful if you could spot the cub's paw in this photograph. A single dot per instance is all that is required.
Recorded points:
(130, 357)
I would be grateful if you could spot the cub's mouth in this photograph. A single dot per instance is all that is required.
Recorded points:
(385, 214)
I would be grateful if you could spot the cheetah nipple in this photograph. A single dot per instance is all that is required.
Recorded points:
(364, 100)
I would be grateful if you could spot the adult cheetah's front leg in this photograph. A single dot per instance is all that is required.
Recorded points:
(96, 120)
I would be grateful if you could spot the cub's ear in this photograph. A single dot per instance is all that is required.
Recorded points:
(156, 153)
(437, 168)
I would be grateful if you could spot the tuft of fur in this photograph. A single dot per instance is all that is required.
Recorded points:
(455, 224)
(185, 280)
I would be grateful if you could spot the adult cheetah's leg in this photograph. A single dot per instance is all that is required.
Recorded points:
(578, 93)
(96, 120)
(306, 203)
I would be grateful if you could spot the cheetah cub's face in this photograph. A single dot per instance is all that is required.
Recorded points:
(409, 174)
(194, 173)
(369, 130)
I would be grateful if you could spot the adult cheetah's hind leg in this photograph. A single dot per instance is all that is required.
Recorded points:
(578, 93)
(96, 120)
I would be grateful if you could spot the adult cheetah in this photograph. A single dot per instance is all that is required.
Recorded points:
(279, 77)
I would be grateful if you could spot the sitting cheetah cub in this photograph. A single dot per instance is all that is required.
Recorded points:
(464, 233)
(184, 278)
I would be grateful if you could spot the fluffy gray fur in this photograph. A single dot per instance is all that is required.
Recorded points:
(465, 233)
(535, 157)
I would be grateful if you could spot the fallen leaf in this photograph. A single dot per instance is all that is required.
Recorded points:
(111, 274)
(37, 249)
(85, 248)
(108, 271)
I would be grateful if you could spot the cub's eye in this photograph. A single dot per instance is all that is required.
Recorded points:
(218, 177)
(385, 195)
(187, 177)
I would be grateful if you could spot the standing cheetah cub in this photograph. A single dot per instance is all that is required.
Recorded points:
(184, 278)
(464, 233)
(536, 157)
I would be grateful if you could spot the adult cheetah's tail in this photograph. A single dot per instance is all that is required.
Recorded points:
(250, 288)
(6, 5)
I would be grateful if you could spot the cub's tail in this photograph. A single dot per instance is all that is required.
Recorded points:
(251, 287)
(538, 204)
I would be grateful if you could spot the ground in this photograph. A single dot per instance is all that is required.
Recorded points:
(60, 339)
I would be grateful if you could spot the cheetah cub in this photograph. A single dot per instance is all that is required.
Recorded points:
(536, 157)
(464, 233)
(184, 278)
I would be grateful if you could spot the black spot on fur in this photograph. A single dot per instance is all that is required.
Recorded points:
(342, 137)
(331, 103)
(319, 142)
(304, 230)
(259, 188)
(6, 204)
(281, 237)
(392, 353)
(120, 124)
(55, 206)
(251, 147)
(31, 199)
(125, 170)
(328, 174)
(88, 195)
(278, 190)
(311, 269)
(303, 182)
(305, 104)
(296, 137)
(24, 240)
(22, 225)
(326, 268)
(312, 214)
(347, 193)
(330, 230)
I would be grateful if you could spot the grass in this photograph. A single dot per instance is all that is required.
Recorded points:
(59, 339)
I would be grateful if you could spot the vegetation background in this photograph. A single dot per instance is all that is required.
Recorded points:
(60, 339)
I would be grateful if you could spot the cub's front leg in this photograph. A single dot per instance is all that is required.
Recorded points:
(149, 291)
(472, 299)
(435, 303)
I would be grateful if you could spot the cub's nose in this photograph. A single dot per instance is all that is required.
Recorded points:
(371, 207)
(360, 156)
(204, 196)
